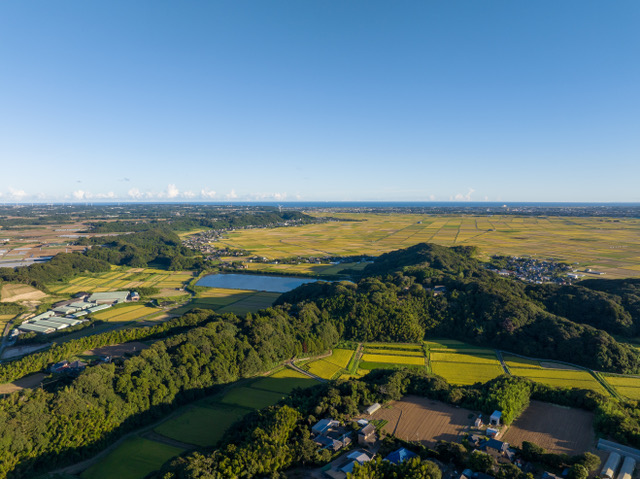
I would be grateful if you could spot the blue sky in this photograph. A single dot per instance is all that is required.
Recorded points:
(320, 100)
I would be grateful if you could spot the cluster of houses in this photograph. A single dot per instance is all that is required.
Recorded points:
(330, 434)
(71, 313)
(536, 271)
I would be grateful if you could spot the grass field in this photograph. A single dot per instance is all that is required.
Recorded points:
(133, 459)
(558, 377)
(205, 423)
(625, 386)
(465, 365)
(604, 244)
(230, 301)
(327, 368)
(202, 426)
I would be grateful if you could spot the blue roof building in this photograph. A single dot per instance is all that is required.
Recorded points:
(401, 455)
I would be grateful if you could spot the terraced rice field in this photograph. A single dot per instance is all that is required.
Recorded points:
(327, 368)
(562, 376)
(126, 313)
(604, 244)
(465, 366)
(133, 459)
(627, 386)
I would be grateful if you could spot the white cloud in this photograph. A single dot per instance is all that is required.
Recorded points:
(432, 197)
(80, 195)
(207, 193)
(188, 194)
(279, 196)
(135, 193)
(109, 195)
(16, 194)
(172, 191)
(231, 195)
(467, 197)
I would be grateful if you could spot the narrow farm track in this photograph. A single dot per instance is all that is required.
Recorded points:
(502, 363)
(306, 373)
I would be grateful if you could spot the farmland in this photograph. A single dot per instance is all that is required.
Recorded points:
(125, 313)
(465, 365)
(420, 419)
(205, 423)
(20, 292)
(557, 429)
(328, 368)
(600, 243)
(123, 278)
(628, 386)
(230, 301)
(133, 459)
(558, 376)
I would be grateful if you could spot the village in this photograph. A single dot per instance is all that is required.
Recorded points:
(363, 438)
(532, 270)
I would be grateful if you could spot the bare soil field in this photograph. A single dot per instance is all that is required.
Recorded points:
(16, 351)
(420, 419)
(27, 382)
(557, 429)
(117, 350)
(20, 292)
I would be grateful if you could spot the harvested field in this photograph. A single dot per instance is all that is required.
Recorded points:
(20, 292)
(27, 382)
(557, 429)
(420, 419)
(117, 350)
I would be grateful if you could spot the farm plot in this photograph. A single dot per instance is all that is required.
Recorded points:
(133, 459)
(465, 366)
(205, 423)
(20, 292)
(202, 426)
(327, 368)
(557, 377)
(420, 419)
(628, 386)
(393, 359)
(231, 301)
(125, 313)
(557, 429)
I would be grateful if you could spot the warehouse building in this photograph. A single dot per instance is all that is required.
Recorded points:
(109, 298)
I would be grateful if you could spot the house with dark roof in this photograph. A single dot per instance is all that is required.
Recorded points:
(399, 456)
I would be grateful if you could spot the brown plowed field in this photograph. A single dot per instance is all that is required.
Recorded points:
(420, 419)
(558, 429)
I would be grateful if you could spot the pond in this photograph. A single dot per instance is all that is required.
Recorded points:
(253, 282)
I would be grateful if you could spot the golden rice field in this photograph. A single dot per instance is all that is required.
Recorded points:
(625, 385)
(125, 313)
(558, 376)
(465, 366)
(327, 368)
(396, 352)
(394, 346)
(124, 279)
(604, 244)
(393, 359)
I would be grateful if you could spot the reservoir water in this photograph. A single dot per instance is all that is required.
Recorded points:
(272, 284)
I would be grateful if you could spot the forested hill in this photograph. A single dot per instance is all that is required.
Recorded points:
(394, 300)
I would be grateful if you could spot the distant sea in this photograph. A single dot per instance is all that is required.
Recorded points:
(416, 204)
